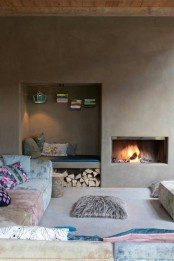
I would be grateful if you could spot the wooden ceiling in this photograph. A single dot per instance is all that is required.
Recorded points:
(87, 7)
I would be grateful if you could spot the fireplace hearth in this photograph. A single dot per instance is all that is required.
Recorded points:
(143, 150)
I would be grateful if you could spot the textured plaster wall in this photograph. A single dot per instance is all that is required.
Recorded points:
(133, 58)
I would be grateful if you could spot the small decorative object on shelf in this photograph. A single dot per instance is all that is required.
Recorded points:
(62, 98)
(75, 104)
(89, 103)
(39, 97)
(58, 185)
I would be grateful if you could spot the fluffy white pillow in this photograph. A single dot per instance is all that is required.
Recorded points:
(54, 149)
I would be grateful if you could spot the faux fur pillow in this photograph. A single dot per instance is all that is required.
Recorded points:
(99, 206)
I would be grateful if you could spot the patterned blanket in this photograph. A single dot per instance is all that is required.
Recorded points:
(33, 233)
(143, 235)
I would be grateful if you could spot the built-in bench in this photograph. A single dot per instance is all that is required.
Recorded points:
(79, 170)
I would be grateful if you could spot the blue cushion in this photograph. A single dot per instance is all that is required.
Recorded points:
(71, 229)
(24, 160)
(84, 238)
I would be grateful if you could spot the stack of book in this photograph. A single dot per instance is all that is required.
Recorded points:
(75, 104)
(62, 97)
(89, 103)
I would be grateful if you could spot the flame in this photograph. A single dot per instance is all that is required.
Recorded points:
(129, 151)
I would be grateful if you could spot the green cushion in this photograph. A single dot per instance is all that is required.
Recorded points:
(40, 139)
(31, 148)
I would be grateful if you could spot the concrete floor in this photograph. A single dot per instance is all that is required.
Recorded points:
(143, 212)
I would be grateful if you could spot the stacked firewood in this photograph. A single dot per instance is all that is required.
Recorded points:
(86, 178)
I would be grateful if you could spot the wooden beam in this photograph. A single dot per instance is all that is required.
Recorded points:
(87, 7)
(100, 11)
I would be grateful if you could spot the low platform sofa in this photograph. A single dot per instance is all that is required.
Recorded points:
(29, 200)
(84, 250)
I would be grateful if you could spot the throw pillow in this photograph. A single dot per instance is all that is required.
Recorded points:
(31, 148)
(12, 175)
(7, 179)
(19, 173)
(154, 187)
(24, 160)
(40, 139)
(99, 206)
(5, 199)
(71, 149)
(1, 162)
(54, 149)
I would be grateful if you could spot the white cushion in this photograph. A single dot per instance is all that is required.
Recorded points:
(54, 149)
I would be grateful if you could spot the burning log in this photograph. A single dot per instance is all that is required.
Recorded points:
(134, 156)
(144, 160)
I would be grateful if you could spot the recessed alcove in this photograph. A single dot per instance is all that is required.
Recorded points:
(57, 121)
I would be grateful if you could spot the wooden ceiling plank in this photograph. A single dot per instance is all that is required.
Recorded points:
(109, 3)
(88, 3)
(88, 7)
(76, 3)
(126, 3)
(168, 3)
(88, 11)
(116, 3)
(157, 3)
(100, 3)
(136, 3)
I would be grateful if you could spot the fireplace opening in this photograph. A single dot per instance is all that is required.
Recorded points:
(139, 149)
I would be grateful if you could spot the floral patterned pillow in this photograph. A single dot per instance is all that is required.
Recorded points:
(5, 199)
(54, 149)
(20, 172)
(7, 180)
(12, 175)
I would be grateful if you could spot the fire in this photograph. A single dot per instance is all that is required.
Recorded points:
(131, 153)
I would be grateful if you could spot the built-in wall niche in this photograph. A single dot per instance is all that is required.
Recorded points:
(58, 122)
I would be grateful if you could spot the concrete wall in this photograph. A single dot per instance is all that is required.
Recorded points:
(133, 58)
